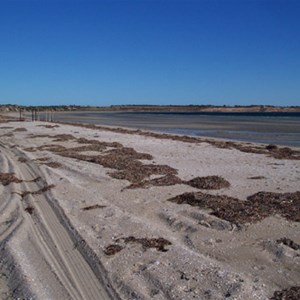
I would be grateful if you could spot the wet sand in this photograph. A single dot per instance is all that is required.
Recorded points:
(279, 129)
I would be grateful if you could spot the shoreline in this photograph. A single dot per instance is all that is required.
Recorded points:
(276, 130)
(117, 187)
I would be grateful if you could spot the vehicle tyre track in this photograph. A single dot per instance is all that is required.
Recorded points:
(73, 263)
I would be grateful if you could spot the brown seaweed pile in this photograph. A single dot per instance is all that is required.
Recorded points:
(256, 208)
(7, 178)
(53, 164)
(113, 249)
(38, 192)
(124, 160)
(292, 293)
(20, 129)
(289, 243)
(157, 243)
(22, 159)
(208, 183)
(126, 163)
(93, 207)
(48, 126)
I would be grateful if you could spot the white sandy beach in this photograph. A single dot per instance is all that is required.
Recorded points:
(89, 217)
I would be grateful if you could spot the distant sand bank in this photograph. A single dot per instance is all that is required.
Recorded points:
(91, 212)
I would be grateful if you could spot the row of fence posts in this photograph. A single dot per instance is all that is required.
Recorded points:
(36, 115)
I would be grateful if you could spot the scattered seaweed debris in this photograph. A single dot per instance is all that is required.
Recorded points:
(256, 177)
(56, 138)
(7, 178)
(38, 192)
(43, 189)
(113, 249)
(286, 204)
(271, 147)
(29, 209)
(289, 243)
(9, 134)
(270, 150)
(20, 129)
(292, 293)
(22, 159)
(34, 180)
(42, 159)
(48, 126)
(63, 137)
(93, 207)
(158, 243)
(125, 161)
(256, 208)
(53, 164)
(208, 183)
(135, 172)
(165, 180)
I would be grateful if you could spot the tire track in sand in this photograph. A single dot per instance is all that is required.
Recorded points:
(56, 243)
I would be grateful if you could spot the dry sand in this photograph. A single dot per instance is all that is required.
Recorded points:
(91, 213)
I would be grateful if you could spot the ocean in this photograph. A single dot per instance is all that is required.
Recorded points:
(260, 127)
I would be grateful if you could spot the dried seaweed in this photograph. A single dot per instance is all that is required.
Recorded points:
(165, 180)
(7, 178)
(256, 208)
(270, 150)
(63, 137)
(42, 159)
(257, 177)
(289, 243)
(292, 293)
(20, 129)
(158, 243)
(208, 183)
(22, 159)
(93, 207)
(53, 164)
(113, 249)
(48, 126)
(38, 192)
(29, 209)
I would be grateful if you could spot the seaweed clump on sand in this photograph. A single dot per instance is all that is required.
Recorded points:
(112, 249)
(166, 180)
(124, 160)
(7, 178)
(158, 243)
(293, 293)
(20, 129)
(53, 164)
(208, 182)
(257, 207)
(289, 243)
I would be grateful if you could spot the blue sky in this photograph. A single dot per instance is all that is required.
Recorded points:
(220, 52)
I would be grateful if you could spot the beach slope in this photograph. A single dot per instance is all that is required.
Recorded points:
(90, 212)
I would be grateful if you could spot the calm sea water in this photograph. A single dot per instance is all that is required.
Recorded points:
(275, 128)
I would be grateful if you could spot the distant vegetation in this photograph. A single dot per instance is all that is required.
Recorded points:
(154, 108)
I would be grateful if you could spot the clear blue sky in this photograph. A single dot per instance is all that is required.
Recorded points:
(232, 52)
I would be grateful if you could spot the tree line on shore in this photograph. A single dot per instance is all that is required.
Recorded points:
(153, 108)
